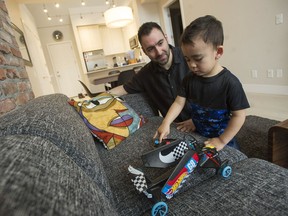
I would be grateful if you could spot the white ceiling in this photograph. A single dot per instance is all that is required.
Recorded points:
(74, 6)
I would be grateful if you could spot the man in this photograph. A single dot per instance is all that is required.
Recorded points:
(162, 76)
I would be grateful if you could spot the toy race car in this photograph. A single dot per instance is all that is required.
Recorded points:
(185, 155)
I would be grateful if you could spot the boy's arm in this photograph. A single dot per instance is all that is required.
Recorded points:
(234, 125)
(173, 112)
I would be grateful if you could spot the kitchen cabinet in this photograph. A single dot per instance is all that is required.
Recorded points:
(90, 37)
(112, 40)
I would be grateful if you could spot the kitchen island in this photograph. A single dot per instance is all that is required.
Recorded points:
(102, 76)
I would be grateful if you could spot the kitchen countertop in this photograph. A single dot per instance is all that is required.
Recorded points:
(121, 68)
(102, 75)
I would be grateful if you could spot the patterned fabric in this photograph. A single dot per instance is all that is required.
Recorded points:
(209, 122)
(109, 118)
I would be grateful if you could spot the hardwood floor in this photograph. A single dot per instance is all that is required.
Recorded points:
(268, 106)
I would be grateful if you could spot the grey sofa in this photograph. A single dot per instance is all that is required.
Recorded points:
(51, 165)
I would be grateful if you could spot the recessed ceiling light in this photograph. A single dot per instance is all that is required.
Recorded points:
(45, 9)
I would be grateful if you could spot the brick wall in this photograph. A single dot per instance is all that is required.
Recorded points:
(15, 87)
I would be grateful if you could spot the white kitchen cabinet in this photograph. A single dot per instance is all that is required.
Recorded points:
(112, 40)
(90, 37)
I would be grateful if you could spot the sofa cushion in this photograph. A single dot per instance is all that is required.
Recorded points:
(253, 136)
(256, 187)
(38, 178)
(141, 103)
(116, 164)
(52, 118)
(109, 118)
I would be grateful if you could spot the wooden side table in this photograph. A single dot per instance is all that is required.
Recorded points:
(278, 143)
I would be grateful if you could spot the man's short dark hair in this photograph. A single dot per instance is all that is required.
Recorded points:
(146, 28)
(207, 27)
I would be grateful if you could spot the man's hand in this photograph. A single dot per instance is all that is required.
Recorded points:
(186, 126)
(216, 142)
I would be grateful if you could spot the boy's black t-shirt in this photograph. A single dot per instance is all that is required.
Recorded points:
(212, 99)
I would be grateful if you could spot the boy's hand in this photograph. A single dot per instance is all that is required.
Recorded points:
(186, 126)
(163, 131)
(216, 142)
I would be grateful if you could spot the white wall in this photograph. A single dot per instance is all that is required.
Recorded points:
(45, 35)
(38, 73)
(252, 39)
(148, 12)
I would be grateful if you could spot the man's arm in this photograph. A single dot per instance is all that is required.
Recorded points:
(119, 91)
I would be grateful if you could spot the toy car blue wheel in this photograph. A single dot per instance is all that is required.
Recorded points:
(226, 171)
(160, 208)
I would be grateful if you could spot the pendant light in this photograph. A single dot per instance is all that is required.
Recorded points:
(117, 17)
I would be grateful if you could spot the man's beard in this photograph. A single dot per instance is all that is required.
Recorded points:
(160, 62)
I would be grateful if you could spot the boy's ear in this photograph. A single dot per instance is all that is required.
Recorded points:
(219, 52)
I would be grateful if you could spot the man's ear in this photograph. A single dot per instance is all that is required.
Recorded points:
(219, 51)
(165, 35)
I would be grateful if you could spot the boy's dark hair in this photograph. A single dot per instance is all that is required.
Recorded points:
(207, 27)
(146, 28)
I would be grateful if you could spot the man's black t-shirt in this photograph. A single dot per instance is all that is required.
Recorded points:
(161, 85)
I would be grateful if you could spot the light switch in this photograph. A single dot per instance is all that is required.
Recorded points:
(270, 73)
(279, 19)
(279, 73)
(254, 73)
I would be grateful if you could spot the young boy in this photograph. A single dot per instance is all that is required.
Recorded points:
(215, 95)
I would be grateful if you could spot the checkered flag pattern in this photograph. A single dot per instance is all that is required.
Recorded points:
(140, 183)
(179, 151)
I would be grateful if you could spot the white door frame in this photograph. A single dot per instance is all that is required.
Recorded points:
(55, 73)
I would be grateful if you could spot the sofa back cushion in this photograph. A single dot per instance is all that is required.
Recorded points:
(38, 178)
(141, 103)
(52, 118)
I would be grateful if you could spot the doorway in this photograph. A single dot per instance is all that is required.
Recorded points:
(176, 21)
(65, 68)
(173, 21)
